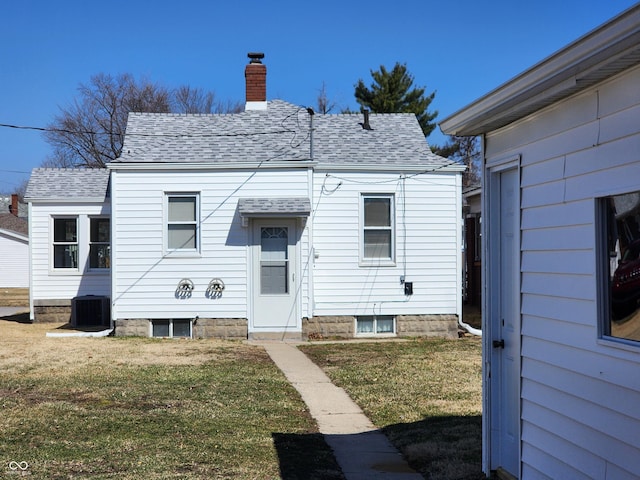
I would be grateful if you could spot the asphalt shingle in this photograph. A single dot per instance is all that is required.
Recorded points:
(68, 183)
(282, 132)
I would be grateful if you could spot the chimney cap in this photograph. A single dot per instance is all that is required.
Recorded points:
(255, 57)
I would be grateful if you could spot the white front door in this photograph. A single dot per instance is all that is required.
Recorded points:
(274, 271)
(505, 328)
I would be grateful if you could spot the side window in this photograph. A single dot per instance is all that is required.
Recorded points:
(378, 236)
(619, 252)
(65, 243)
(367, 325)
(100, 243)
(182, 222)
(171, 328)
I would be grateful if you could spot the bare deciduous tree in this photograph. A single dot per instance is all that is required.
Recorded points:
(467, 151)
(324, 104)
(192, 100)
(90, 132)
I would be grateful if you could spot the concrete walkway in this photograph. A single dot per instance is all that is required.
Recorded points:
(362, 451)
(8, 311)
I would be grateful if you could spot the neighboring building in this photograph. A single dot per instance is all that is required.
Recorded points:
(270, 223)
(471, 213)
(561, 192)
(12, 204)
(14, 250)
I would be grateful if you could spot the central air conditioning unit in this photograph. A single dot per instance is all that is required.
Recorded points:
(90, 310)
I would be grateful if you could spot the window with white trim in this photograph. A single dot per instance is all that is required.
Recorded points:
(99, 243)
(171, 328)
(65, 242)
(183, 220)
(619, 272)
(378, 236)
(371, 325)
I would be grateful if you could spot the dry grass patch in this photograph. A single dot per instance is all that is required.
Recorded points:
(425, 394)
(131, 408)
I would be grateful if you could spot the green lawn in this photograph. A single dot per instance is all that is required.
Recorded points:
(146, 409)
(424, 394)
(132, 408)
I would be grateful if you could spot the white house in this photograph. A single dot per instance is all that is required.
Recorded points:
(274, 222)
(561, 203)
(69, 219)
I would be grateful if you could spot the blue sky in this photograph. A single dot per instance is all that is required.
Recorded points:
(461, 49)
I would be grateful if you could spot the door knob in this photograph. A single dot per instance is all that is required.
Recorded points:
(498, 343)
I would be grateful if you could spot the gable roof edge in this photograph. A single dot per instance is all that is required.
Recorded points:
(15, 235)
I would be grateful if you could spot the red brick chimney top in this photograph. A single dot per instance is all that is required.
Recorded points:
(255, 74)
(13, 208)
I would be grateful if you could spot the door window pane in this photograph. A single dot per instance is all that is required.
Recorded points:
(274, 264)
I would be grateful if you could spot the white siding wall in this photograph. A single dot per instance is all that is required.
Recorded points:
(61, 284)
(14, 261)
(430, 257)
(145, 280)
(580, 396)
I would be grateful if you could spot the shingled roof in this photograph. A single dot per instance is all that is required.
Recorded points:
(282, 132)
(15, 224)
(68, 184)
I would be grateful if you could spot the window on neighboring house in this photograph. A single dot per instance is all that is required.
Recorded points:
(377, 228)
(65, 242)
(172, 328)
(182, 222)
(375, 325)
(619, 251)
(99, 243)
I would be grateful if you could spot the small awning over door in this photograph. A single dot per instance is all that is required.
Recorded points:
(294, 207)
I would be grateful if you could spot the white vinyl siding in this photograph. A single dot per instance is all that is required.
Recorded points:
(146, 279)
(14, 260)
(579, 392)
(64, 284)
(427, 214)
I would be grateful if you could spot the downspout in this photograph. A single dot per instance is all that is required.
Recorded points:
(469, 328)
(32, 314)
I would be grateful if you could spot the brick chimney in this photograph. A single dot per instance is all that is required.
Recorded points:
(255, 74)
(13, 208)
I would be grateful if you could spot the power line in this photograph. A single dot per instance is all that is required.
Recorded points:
(12, 171)
(165, 135)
